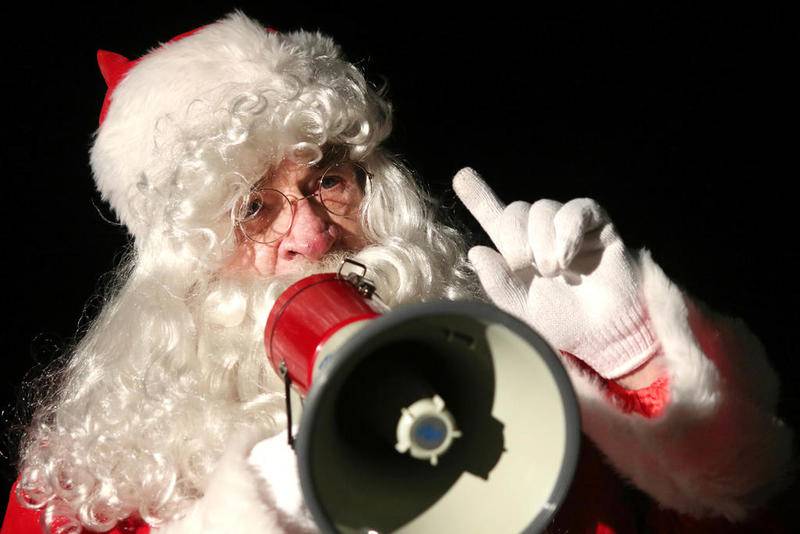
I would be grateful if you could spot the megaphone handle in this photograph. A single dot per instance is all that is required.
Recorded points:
(287, 390)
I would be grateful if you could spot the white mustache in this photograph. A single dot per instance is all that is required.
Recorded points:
(234, 297)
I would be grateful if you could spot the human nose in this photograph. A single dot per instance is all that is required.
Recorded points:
(311, 235)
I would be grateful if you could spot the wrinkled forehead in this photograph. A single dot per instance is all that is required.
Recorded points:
(289, 169)
(333, 155)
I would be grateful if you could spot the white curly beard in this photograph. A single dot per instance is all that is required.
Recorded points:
(161, 383)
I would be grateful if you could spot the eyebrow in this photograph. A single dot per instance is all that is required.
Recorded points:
(334, 155)
(329, 159)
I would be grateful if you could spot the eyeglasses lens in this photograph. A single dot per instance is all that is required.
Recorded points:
(266, 215)
(341, 189)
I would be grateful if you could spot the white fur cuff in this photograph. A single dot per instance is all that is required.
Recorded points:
(716, 449)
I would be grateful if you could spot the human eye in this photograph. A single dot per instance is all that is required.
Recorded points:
(250, 206)
(332, 180)
(342, 177)
(260, 204)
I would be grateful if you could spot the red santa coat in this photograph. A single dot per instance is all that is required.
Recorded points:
(599, 502)
(701, 441)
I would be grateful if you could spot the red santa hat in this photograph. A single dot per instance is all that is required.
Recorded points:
(179, 87)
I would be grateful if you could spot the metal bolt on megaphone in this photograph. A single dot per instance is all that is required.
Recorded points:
(355, 273)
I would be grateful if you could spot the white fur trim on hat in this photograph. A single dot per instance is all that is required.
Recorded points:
(125, 157)
(294, 88)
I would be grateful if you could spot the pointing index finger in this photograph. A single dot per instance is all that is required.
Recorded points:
(478, 198)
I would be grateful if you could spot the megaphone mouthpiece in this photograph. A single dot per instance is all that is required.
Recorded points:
(426, 430)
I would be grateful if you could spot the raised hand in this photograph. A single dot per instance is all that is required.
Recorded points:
(564, 270)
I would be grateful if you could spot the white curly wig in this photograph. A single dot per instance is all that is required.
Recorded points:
(174, 363)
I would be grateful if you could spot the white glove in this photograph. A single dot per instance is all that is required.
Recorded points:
(564, 270)
(276, 464)
(254, 488)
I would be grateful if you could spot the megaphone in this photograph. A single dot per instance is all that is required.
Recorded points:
(433, 417)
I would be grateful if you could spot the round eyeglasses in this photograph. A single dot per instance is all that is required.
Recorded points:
(263, 216)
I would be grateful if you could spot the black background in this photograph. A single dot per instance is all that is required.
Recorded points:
(675, 119)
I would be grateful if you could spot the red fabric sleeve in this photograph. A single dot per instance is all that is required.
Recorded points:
(648, 402)
(21, 520)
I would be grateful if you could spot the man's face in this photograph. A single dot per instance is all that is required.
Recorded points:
(270, 242)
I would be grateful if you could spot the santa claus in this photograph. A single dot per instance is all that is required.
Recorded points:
(240, 159)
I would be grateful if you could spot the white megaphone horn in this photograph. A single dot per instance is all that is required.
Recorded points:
(433, 417)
